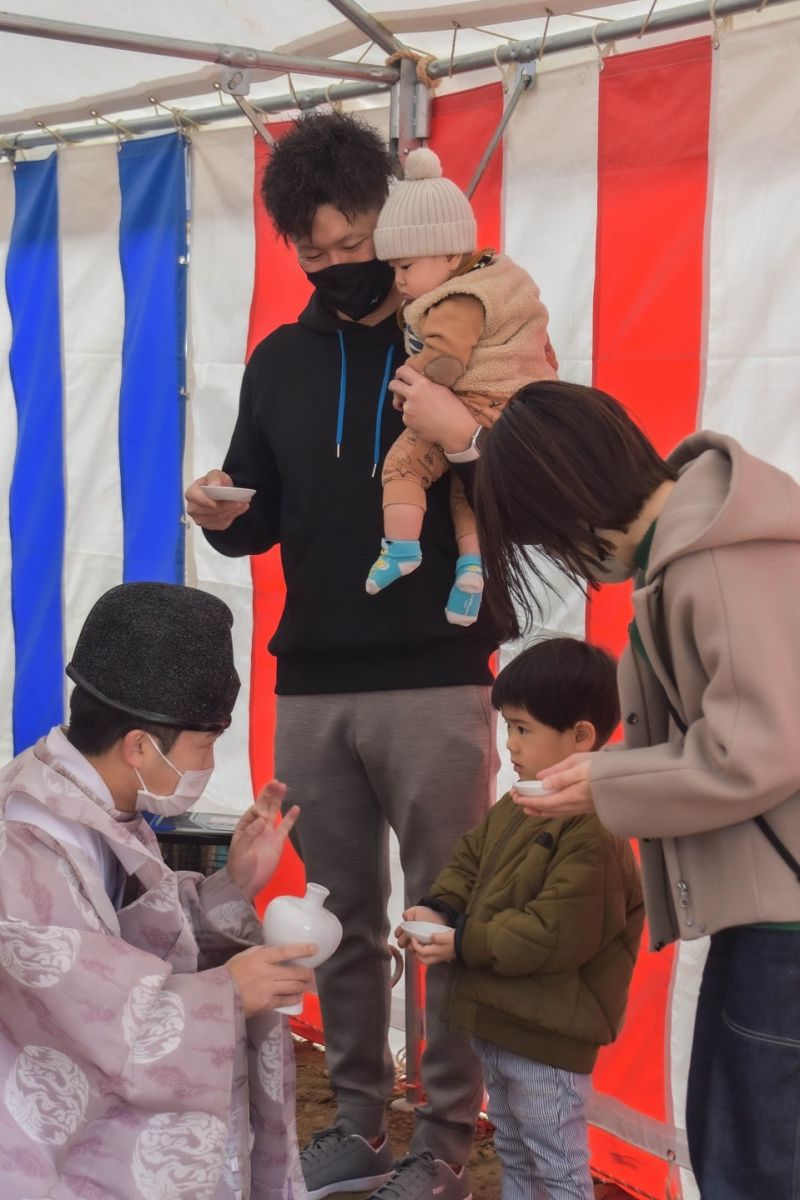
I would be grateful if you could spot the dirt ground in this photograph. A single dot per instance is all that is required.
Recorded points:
(315, 1110)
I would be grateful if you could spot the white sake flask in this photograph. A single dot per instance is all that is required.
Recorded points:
(292, 919)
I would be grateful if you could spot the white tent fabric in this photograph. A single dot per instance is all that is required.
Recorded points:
(93, 320)
(220, 287)
(754, 240)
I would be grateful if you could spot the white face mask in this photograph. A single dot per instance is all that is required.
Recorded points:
(191, 785)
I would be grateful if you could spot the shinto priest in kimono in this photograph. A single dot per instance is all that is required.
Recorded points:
(140, 1053)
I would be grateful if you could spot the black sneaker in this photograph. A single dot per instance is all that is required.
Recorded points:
(423, 1177)
(335, 1161)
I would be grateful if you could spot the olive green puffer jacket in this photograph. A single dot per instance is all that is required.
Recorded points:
(548, 917)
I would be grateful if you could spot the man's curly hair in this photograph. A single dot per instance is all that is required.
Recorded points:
(328, 158)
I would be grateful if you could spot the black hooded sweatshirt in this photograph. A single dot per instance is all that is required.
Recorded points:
(315, 422)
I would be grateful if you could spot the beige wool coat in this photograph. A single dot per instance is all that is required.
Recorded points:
(719, 616)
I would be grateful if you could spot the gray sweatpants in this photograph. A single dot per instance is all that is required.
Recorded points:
(422, 761)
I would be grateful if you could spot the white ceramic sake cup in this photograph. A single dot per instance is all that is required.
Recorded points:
(423, 931)
(220, 492)
(532, 787)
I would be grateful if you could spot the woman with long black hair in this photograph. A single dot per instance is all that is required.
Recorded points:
(709, 779)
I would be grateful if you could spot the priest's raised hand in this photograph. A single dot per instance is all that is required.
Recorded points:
(259, 838)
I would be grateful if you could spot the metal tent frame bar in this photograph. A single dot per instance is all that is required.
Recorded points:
(213, 52)
(375, 31)
(601, 33)
(525, 78)
(362, 81)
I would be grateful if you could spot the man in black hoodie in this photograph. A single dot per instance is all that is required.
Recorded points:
(383, 712)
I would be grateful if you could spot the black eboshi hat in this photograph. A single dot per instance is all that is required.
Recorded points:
(160, 652)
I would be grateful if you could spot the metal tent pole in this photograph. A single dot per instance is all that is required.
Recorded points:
(520, 52)
(214, 52)
(369, 25)
(579, 39)
(524, 81)
(210, 115)
(414, 1019)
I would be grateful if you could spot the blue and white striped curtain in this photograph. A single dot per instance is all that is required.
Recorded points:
(92, 401)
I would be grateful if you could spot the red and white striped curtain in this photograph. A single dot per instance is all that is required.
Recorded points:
(654, 201)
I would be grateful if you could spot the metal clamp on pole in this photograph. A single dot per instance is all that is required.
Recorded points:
(236, 83)
(403, 134)
(525, 78)
(410, 103)
(423, 100)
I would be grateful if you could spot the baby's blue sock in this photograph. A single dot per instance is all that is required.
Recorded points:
(464, 601)
(396, 559)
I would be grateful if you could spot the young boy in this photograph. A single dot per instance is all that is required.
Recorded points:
(474, 322)
(138, 1052)
(542, 920)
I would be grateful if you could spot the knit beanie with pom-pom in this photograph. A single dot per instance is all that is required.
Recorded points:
(425, 214)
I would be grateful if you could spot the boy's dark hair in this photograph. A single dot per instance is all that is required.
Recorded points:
(95, 727)
(561, 681)
(328, 158)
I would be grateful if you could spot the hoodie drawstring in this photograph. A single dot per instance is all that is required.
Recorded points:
(342, 394)
(387, 374)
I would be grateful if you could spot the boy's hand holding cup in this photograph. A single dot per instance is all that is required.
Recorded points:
(437, 947)
(440, 949)
(417, 912)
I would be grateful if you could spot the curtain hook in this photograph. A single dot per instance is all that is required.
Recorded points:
(456, 28)
(549, 12)
(712, 8)
(505, 69)
(646, 21)
(183, 124)
(292, 90)
(334, 103)
(601, 53)
(57, 137)
(120, 132)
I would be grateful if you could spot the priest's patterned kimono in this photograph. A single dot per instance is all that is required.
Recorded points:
(127, 1069)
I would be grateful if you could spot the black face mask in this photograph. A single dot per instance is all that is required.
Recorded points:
(355, 289)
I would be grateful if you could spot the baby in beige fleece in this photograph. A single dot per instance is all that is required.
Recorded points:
(473, 322)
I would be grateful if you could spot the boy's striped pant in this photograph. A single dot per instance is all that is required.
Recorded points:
(539, 1117)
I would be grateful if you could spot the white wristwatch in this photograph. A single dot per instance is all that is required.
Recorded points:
(473, 450)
